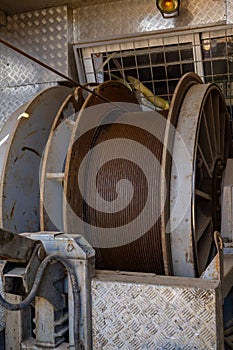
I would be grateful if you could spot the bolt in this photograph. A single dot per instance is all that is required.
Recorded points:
(70, 247)
(41, 253)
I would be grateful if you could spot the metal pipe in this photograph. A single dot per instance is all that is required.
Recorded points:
(29, 298)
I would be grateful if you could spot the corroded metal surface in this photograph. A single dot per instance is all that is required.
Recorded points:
(52, 175)
(16, 248)
(2, 310)
(182, 205)
(23, 140)
(203, 132)
(180, 92)
(155, 313)
(134, 253)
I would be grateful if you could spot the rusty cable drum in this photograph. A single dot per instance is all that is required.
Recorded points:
(125, 256)
(144, 190)
(106, 156)
(111, 128)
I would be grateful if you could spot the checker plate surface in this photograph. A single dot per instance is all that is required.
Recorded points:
(136, 16)
(146, 316)
(44, 35)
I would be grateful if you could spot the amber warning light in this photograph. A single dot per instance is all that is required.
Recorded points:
(168, 8)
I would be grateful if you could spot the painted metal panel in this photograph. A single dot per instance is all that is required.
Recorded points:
(22, 149)
(11, 98)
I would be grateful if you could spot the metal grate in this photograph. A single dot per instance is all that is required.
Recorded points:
(160, 59)
(217, 51)
(158, 68)
(158, 63)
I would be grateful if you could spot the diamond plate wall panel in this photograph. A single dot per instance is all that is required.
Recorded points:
(13, 97)
(137, 16)
(137, 316)
(229, 7)
(43, 34)
(17, 70)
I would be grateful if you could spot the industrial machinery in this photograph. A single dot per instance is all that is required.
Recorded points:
(117, 222)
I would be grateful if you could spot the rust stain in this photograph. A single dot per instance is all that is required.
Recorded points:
(70, 247)
(12, 210)
(31, 133)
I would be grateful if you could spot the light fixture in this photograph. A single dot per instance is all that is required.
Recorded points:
(168, 8)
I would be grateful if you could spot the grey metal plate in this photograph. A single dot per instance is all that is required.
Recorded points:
(163, 313)
(136, 16)
(229, 13)
(43, 34)
(11, 6)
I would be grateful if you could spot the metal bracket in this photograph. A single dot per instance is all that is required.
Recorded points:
(54, 312)
(18, 278)
(214, 270)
